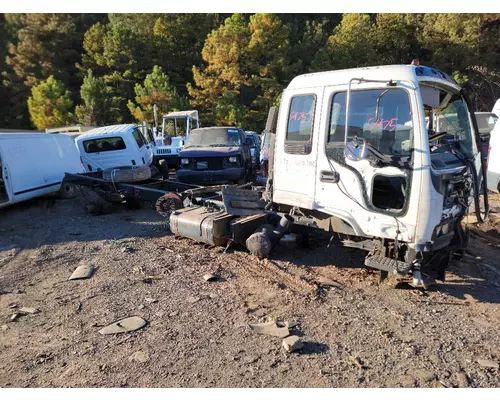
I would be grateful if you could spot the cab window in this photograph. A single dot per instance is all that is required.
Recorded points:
(138, 138)
(299, 129)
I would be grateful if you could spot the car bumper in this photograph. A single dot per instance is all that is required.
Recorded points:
(169, 159)
(210, 177)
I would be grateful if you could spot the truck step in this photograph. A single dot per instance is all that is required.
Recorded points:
(387, 264)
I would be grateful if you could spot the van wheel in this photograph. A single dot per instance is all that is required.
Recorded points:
(67, 191)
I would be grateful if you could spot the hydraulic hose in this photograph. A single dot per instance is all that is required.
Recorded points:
(477, 189)
(472, 167)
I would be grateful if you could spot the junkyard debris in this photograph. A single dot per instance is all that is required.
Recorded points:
(129, 324)
(210, 277)
(323, 281)
(270, 328)
(29, 310)
(14, 316)
(83, 271)
(128, 249)
(292, 343)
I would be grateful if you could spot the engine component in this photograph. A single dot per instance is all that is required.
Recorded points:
(261, 242)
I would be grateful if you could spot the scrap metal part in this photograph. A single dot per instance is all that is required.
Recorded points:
(168, 203)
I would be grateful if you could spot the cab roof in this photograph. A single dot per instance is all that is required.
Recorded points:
(105, 130)
(413, 73)
(182, 114)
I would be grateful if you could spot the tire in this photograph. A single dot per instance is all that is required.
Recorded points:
(167, 204)
(127, 174)
(67, 190)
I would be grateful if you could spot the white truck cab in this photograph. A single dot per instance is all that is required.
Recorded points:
(386, 157)
(169, 142)
(114, 146)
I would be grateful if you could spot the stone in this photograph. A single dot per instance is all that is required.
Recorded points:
(425, 375)
(173, 313)
(150, 300)
(292, 343)
(4, 327)
(193, 299)
(487, 363)
(139, 356)
(462, 379)
(270, 328)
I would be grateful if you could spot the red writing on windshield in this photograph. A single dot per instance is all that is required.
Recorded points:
(299, 116)
(384, 124)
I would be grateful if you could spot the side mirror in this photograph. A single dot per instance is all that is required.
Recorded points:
(355, 148)
(181, 143)
(248, 141)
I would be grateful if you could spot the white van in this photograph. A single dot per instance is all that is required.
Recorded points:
(33, 164)
(114, 146)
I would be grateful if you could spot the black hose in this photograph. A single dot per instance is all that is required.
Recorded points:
(477, 189)
(472, 167)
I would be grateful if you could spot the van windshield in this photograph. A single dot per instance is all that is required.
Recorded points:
(381, 116)
(104, 144)
(216, 137)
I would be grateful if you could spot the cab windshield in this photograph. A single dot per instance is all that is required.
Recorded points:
(380, 116)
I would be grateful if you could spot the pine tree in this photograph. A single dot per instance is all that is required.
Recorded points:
(50, 104)
(156, 89)
(97, 108)
(350, 45)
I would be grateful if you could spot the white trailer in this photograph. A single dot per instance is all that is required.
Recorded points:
(34, 164)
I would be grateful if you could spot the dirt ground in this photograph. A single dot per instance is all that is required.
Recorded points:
(359, 335)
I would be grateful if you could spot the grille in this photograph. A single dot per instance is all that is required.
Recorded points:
(163, 151)
(213, 163)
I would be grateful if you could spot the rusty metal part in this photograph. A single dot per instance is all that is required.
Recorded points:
(168, 203)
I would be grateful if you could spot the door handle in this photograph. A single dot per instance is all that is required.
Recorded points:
(329, 177)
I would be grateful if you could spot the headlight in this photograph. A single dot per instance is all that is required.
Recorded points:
(445, 229)
(184, 161)
(439, 230)
(233, 159)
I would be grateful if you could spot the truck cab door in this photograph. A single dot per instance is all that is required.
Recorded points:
(295, 148)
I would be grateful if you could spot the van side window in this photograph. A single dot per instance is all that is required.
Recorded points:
(138, 138)
(300, 124)
(105, 144)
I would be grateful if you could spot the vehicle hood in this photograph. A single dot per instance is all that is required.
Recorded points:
(210, 151)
